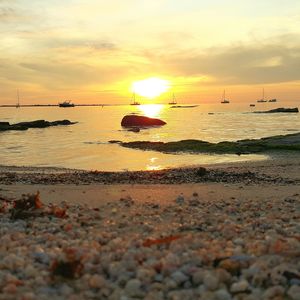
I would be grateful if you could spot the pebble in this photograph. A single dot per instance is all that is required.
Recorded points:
(133, 288)
(294, 292)
(240, 286)
(210, 282)
(222, 294)
(96, 282)
(219, 251)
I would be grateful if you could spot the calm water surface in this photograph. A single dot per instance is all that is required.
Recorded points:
(85, 145)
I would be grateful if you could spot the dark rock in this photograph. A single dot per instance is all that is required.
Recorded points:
(140, 121)
(33, 124)
(201, 171)
(134, 129)
(280, 110)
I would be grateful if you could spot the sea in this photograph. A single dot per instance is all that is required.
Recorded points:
(86, 146)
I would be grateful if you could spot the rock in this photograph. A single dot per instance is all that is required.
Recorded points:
(294, 292)
(133, 288)
(201, 171)
(273, 292)
(222, 294)
(179, 277)
(134, 129)
(210, 282)
(280, 110)
(96, 282)
(179, 199)
(140, 121)
(33, 124)
(240, 286)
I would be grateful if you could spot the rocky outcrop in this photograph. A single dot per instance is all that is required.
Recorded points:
(263, 145)
(280, 110)
(140, 121)
(4, 126)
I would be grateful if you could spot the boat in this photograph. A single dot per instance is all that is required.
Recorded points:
(18, 100)
(66, 104)
(183, 106)
(224, 100)
(173, 101)
(262, 100)
(252, 105)
(273, 100)
(134, 102)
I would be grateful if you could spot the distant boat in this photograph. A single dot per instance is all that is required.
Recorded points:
(273, 100)
(262, 100)
(18, 100)
(173, 101)
(183, 106)
(134, 102)
(252, 105)
(66, 104)
(224, 100)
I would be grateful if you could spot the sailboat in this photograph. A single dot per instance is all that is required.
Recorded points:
(66, 103)
(134, 102)
(173, 101)
(18, 100)
(262, 100)
(224, 100)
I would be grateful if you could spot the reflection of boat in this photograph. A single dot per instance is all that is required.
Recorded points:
(262, 100)
(173, 101)
(18, 100)
(224, 100)
(134, 102)
(66, 104)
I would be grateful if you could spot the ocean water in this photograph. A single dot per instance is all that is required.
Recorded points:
(85, 145)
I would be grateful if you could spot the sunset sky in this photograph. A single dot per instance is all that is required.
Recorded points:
(93, 50)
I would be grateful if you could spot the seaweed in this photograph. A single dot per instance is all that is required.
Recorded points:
(289, 142)
(26, 206)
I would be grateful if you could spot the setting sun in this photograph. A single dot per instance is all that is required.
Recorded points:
(151, 87)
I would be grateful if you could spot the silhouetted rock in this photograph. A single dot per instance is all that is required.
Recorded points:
(280, 110)
(268, 144)
(134, 129)
(33, 124)
(140, 121)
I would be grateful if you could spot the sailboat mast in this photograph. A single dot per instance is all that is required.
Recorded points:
(174, 101)
(263, 96)
(18, 98)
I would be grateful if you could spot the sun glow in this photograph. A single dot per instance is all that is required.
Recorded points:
(151, 87)
(151, 110)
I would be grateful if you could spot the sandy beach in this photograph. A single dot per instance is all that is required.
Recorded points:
(219, 232)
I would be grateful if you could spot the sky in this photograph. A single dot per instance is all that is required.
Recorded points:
(91, 51)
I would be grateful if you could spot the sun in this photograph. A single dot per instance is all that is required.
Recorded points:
(150, 87)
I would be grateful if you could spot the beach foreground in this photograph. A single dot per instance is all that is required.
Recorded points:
(224, 232)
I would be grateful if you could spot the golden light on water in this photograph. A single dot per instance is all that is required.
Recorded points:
(153, 166)
(151, 110)
(150, 87)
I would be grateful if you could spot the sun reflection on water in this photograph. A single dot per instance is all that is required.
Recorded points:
(152, 166)
(151, 110)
